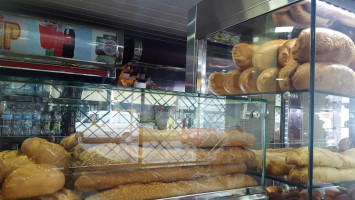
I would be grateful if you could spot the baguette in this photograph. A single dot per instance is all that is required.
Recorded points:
(103, 180)
(322, 158)
(322, 175)
(157, 190)
(213, 137)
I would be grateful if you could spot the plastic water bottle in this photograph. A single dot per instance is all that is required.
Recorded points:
(45, 122)
(6, 121)
(27, 120)
(36, 120)
(56, 122)
(17, 120)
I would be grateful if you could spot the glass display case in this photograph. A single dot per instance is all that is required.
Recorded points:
(299, 57)
(79, 140)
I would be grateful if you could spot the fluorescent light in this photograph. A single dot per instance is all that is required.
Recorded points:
(283, 29)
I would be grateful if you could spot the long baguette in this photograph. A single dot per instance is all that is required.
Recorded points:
(90, 181)
(157, 190)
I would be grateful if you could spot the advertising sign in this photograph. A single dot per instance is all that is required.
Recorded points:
(39, 37)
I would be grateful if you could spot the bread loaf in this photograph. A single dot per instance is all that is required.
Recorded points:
(230, 82)
(285, 52)
(213, 137)
(322, 175)
(242, 54)
(266, 55)
(331, 46)
(89, 181)
(247, 80)
(285, 75)
(321, 158)
(12, 160)
(68, 143)
(329, 77)
(267, 80)
(33, 180)
(42, 151)
(215, 83)
(158, 190)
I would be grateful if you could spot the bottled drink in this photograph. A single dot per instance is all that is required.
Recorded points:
(17, 120)
(27, 120)
(45, 121)
(6, 121)
(36, 120)
(56, 122)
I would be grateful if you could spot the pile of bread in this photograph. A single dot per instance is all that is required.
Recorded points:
(37, 172)
(282, 65)
(214, 160)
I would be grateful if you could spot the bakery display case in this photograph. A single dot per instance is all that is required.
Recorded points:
(91, 141)
(298, 56)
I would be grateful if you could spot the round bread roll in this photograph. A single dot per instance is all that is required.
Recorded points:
(242, 55)
(266, 81)
(266, 55)
(42, 151)
(247, 80)
(230, 82)
(285, 75)
(329, 77)
(215, 83)
(285, 52)
(33, 180)
(331, 46)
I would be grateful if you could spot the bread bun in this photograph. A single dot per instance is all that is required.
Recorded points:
(267, 82)
(42, 151)
(285, 75)
(329, 77)
(33, 180)
(266, 55)
(215, 83)
(242, 54)
(285, 52)
(230, 82)
(331, 46)
(247, 80)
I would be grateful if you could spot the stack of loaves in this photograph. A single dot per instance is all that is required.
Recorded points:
(219, 164)
(36, 172)
(282, 65)
(328, 166)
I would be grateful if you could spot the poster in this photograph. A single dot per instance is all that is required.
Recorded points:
(40, 37)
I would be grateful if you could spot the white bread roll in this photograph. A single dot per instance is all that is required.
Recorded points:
(285, 52)
(230, 82)
(42, 151)
(267, 80)
(33, 180)
(242, 54)
(266, 55)
(329, 77)
(331, 46)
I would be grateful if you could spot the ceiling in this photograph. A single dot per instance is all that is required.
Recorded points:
(161, 19)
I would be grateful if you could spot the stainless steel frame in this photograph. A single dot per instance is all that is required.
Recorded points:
(211, 16)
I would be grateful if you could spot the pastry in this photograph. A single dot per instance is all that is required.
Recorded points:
(267, 80)
(158, 190)
(213, 138)
(90, 181)
(42, 151)
(285, 52)
(285, 74)
(247, 80)
(329, 77)
(230, 82)
(215, 83)
(331, 46)
(266, 55)
(242, 54)
(33, 180)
